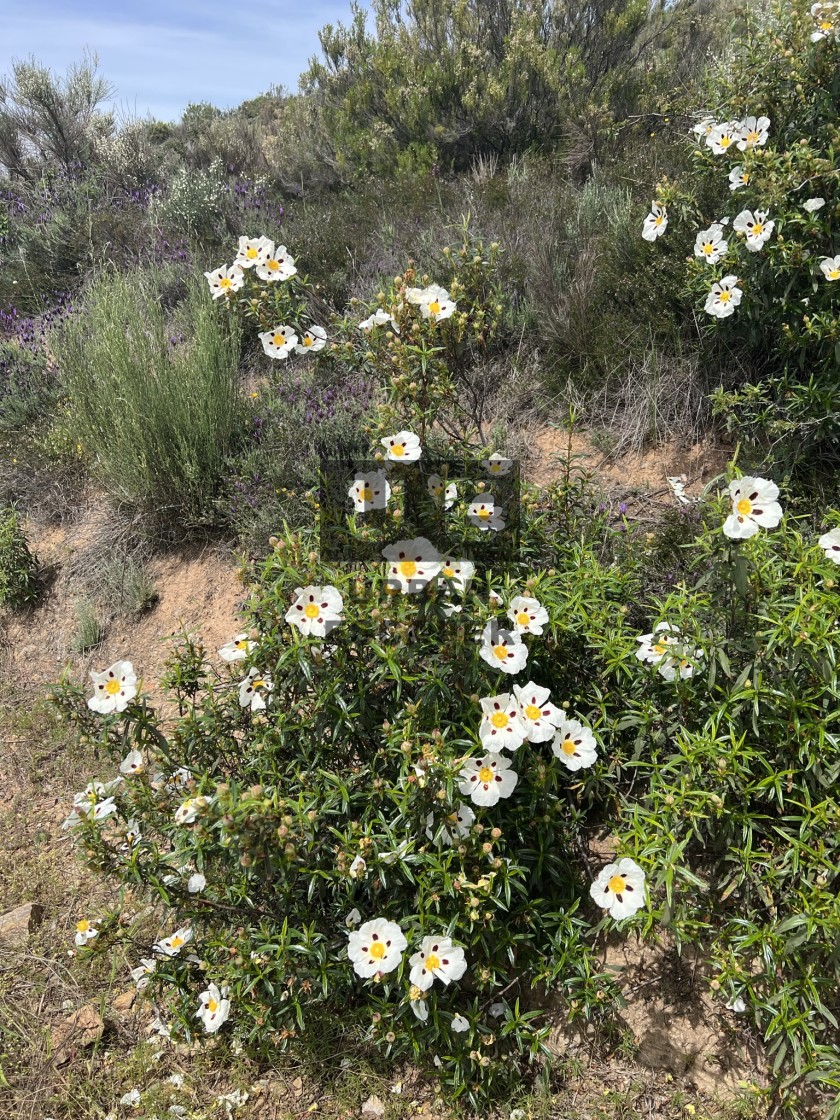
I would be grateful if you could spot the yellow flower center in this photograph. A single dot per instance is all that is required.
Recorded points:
(398, 449)
(449, 572)
(523, 619)
(434, 307)
(432, 962)
(834, 274)
(377, 950)
(176, 942)
(484, 513)
(724, 296)
(744, 506)
(112, 687)
(568, 747)
(758, 229)
(225, 282)
(242, 643)
(485, 774)
(500, 652)
(366, 494)
(311, 610)
(259, 682)
(273, 265)
(533, 712)
(278, 340)
(212, 1006)
(499, 719)
(752, 137)
(251, 253)
(708, 248)
(826, 25)
(495, 468)
(725, 141)
(408, 568)
(308, 340)
(657, 221)
(83, 926)
(617, 884)
(745, 177)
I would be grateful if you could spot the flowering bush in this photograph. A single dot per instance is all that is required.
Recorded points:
(375, 803)
(761, 209)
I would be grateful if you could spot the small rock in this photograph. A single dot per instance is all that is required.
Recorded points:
(82, 1028)
(16, 925)
(373, 1106)
(297, 1085)
(125, 1000)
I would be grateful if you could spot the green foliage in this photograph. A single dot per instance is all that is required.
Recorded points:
(48, 122)
(442, 83)
(89, 628)
(27, 385)
(194, 202)
(18, 565)
(158, 418)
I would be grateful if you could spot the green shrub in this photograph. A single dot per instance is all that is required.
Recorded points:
(158, 416)
(786, 320)
(18, 566)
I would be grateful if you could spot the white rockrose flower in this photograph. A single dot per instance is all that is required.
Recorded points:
(278, 342)
(620, 888)
(436, 959)
(738, 177)
(575, 745)
(724, 297)
(503, 649)
(85, 932)
(711, 244)
(497, 465)
(455, 575)
(113, 688)
(456, 825)
(254, 690)
(501, 726)
(213, 1008)
(753, 133)
(376, 947)
(528, 615)
(312, 340)
(378, 319)
(724, 137)
(812, 205)
(316, 611)
(655, 223)
(754, 507)
(830, 267)
(172, 946)
(253, 251)
(756, 228)
(537, 714)
(276, 265)
(486, 780)
(411, 565)
(225, 281)
(132, 764)
(827, 19)
(140, 975)
(442, 492)
(370, 490)
(484, 513)
(237, 649)
(404, 447)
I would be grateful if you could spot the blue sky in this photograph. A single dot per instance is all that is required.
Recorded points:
(160, 55)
